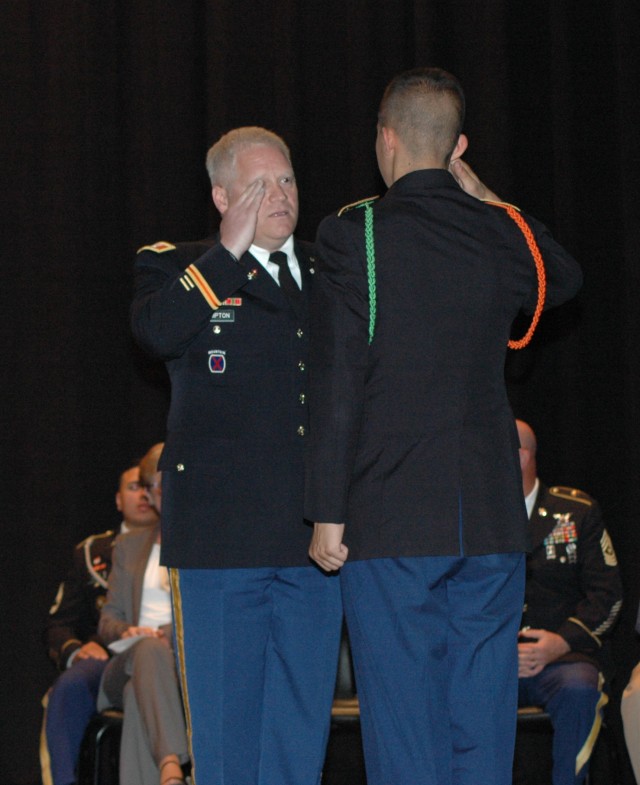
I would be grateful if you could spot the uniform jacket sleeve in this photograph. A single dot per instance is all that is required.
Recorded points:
(176, 291)
(339, 350)
(600, 585)
(73, 617)
(563, 274)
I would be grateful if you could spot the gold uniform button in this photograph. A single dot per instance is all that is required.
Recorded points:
(301, 365)
(301, 430)
(299, 333)
(302, 398)
(180, 467)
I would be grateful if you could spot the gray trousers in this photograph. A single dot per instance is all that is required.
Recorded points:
(143, 682)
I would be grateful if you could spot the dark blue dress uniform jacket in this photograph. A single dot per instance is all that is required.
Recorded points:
(236, 352)
(413, 442)
(73, 618)
(573, 581)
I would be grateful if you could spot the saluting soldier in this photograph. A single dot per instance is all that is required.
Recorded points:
(258, 625)
(573, 596)
(413, 456)
(71, 635)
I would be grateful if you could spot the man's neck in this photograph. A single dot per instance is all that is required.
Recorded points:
(127, 526)
(405, 162)
(287, 246)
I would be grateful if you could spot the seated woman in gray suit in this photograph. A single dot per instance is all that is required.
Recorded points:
(141, 678)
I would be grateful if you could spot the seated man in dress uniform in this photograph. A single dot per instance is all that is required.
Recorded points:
(72, 640)
(573, 597)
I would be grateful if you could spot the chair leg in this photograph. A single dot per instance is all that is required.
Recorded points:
(99, 761)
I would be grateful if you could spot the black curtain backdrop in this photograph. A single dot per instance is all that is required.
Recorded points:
(107, 111)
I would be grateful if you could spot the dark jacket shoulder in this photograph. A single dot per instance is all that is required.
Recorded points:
(73, 617)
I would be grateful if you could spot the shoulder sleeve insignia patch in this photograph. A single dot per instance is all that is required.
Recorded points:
(160, 247)
(360, 203)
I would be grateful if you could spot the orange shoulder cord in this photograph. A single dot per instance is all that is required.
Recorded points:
(542, 278)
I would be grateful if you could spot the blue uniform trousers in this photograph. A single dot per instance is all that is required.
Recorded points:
(434, 642)
(72, 703)
(257, 651)
(571, 693)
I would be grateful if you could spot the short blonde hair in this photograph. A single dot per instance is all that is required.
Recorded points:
(221, 157)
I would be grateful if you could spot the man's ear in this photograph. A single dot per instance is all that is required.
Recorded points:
(389, 138)
(118, 502)
(460, 148)
(220, 198)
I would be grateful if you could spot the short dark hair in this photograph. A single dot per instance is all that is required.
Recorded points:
(425, 107)
(134, 465)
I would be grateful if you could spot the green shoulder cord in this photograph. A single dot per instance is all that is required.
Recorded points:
(371, 267)
(371, 254)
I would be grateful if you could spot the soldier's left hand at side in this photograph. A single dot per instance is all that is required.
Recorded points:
(327, 549)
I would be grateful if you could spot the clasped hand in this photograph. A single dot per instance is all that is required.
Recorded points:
(91, 650)
(534, 655)
(327, 548)
(146, 632)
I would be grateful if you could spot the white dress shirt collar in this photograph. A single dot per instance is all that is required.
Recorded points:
(262, 255)
(530, 499)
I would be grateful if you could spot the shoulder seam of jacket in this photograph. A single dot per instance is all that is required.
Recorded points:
(571, 494)
(359, 203)
(87, 560)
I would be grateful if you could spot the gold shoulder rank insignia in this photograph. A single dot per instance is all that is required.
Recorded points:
(571, 493)
(360, 203)
(160, 247)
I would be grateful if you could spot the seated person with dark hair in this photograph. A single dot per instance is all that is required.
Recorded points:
(141, 678)
(573, 596)
(72, 639)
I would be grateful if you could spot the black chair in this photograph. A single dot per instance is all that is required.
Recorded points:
(99, 759)
(346, 708)
(344, 762)
(100, 751)
(533, 760)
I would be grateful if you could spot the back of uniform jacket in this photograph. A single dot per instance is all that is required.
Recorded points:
(413, 443)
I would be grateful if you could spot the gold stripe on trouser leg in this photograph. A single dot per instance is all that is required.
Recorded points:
(45, 758)
(178, 620)
(587, 748)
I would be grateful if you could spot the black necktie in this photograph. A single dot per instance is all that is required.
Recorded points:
(285, 279)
